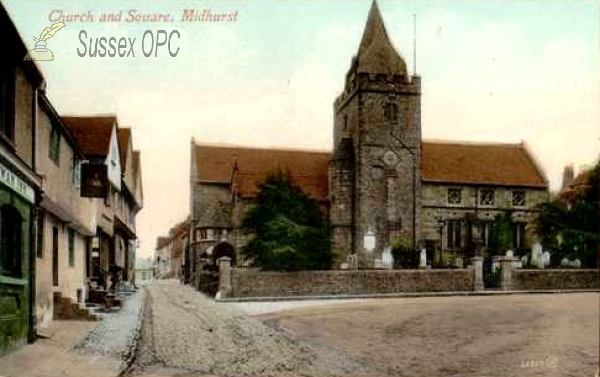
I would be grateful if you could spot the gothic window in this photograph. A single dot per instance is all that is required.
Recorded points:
(454, 234)
(518, 198)
(391, 117)
(11, 242)
(7, 102)
(454, 196)
(54, 149)
(487, 197)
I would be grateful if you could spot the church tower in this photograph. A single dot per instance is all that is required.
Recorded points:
(374, 176)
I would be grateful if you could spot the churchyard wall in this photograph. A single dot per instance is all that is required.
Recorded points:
(250, 282)
(532, 279)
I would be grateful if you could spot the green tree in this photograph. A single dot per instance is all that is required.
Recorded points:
(288, 230)
(502, 233)
(570, 227)
(404, 254)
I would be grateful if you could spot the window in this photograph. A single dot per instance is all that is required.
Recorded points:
(54, 150)
(11, 242)
(454, 196)
(345, 123)
(487, 197)
(40, 235)
(7, 102)
(391, 116)
(201, 234)
(519, 235)
(76, 173)
(486, 232)
(71, 247)
(454, 234)
(518, 198)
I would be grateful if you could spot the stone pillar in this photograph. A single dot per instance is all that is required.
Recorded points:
(477, 266)
(507, 268)
(224, 277)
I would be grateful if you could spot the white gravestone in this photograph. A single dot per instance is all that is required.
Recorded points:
(387, 258)
(565, 262)
(524, 261)
(423, 261)
(546, 259)
(577, 263)
(536, 255)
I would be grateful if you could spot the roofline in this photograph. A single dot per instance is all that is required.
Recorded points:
(270, 148)
(470, 143)
(47, 105)
(536, 163)
(467, 183)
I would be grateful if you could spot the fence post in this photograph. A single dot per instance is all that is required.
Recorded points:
(477, 266)
(507, 266)
(224, 277)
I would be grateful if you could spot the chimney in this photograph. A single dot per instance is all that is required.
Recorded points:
(568, 177)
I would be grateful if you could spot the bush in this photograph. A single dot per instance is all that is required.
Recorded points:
(404, 255)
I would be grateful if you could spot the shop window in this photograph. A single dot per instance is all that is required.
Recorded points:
(11, 242)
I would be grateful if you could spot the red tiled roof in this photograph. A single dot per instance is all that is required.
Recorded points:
(91, 132)
(442, 162)
(480, 163)
(308, 169)
(123, 136)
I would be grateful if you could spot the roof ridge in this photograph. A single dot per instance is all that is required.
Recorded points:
(472, 143)
(269, 148)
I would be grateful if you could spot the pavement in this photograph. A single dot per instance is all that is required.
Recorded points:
(53, 357)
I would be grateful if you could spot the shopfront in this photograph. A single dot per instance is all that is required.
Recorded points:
(16, 214)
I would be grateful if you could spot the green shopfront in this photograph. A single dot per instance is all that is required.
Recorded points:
(17, 198)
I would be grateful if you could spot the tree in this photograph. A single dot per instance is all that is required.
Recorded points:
(288, 230)
(570, 226)
(501, 238)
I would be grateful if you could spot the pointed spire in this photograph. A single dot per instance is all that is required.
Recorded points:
(376, 53)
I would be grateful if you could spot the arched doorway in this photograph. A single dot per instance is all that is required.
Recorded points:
(223, 249)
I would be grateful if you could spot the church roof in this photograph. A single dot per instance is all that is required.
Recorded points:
(480, 163)
(376, 53)
(307, 169)
(91, 132)
(441, 162)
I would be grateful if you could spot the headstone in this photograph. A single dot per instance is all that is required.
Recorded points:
(387, 258)
(423, 262)
(509, 253)
(344, 266)
(565, 262)
(536, 255)
(577, 263)
(546, 258)
(524, 261)
(459, 262)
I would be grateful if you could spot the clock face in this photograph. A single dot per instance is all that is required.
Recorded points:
(390, 158)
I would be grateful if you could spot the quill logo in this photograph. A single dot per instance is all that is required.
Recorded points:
(40, 52)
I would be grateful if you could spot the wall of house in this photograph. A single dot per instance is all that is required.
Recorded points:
(250, 282)
(23, 120)
(435, 198)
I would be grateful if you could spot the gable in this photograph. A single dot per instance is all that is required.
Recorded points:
(113, 161)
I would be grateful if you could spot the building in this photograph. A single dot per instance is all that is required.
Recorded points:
(169, 252)
(111, 176)
(65, 223)
(20, 188)
(380, 178)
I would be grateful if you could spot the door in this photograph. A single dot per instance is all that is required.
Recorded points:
(55, 256)
(14, 276)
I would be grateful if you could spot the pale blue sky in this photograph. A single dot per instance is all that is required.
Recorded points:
(491, 71)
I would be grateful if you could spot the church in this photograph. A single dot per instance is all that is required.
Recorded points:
(380, 179)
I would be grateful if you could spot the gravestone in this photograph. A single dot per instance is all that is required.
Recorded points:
(423, 261)
(546, 259)
(524, 261)
(387, 258)
(565, 262)
(536, 255)
(576, 263)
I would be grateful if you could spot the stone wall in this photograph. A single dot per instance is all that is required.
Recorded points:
(249, 282)
(555, 279)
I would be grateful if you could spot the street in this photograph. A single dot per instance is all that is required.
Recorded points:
(185, 333)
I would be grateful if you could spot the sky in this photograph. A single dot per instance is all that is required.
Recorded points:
(499, 71)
